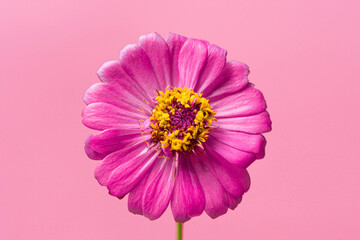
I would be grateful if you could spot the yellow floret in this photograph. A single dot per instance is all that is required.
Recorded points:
(176, 144)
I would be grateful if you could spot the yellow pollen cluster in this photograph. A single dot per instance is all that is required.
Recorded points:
(181, 119)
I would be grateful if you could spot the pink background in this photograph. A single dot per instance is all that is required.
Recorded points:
(303, 55)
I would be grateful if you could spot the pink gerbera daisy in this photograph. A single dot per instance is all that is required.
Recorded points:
(179, 124)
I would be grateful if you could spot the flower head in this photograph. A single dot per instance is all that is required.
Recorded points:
(179, 125)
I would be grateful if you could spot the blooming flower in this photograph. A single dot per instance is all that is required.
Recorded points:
(179, 124)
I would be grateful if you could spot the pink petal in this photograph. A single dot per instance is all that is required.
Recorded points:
(252, 143)
(112, 94)
(152, 195)
(159, 187)
(231, 154)
(192, 60)
(158, 52)
(91, 153)
(175, 43)
(235, 180)
(247, 102)
(233, 201)
(113, 160)
(102, 144)
(131, 168)
(188, 197)
(101, 116)
(258, 123)
(136, 64)
(214, 66)
(232, 79)
(113, 74)
(216, 201)
(136, 195)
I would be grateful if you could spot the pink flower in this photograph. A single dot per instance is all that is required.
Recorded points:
(162, 141)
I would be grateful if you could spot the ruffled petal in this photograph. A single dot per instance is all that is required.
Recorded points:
(188, 196)
(233, 201)
(135, 197)
(159, 187)
(129, 169)
(112, 73)
(100, 145)
(136, 63)
(216, 201)
(252, 143)
(158, 52)
(91, 153)
(101, 116)
(112, 94)
(248, 102)
(152, 195)
(235, 180)
(231, 154)
(232, 79)
(214, 66)
(175, 43)
(104, 170)
(258, 123)
(192, 60)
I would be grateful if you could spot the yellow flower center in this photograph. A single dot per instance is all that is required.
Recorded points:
(181, 119)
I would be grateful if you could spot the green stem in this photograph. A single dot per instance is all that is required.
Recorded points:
(179, 231)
